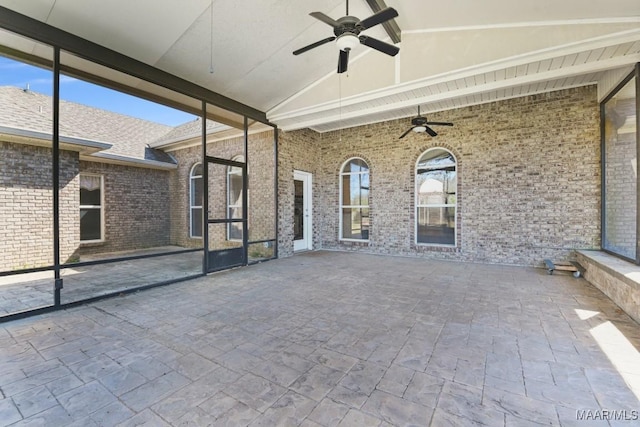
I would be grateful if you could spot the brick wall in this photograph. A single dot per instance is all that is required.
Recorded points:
(299, 150)
(528, 179)
(136, 209)
(262, 203)
(26, 206)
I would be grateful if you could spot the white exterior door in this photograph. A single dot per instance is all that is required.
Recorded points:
(302, 212)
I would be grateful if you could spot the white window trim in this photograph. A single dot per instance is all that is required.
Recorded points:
(101, 207)
(441, 205)
(238, 158)
(341, 206)
(193, 177)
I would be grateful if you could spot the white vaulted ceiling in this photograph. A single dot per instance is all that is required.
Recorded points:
(452, 54)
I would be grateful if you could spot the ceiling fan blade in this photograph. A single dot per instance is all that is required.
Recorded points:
(313, 45)
(405, 134)
(326, 19)
(378, 45)
(378, 18)
(343, 61)
(440, 123)
(430, 131)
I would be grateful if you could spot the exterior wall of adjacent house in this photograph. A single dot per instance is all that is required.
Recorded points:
(528, 180)
(136, 212)
(26, 206)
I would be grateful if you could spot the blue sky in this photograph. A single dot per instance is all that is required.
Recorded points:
(17, 74)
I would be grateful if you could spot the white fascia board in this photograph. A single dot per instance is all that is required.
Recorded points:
(44, 139)
(536, 56)
(127, 161)
(593, 67)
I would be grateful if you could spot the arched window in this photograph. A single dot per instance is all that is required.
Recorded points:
(234, 199)
(354, 200)
(436, 183)
(196, 192)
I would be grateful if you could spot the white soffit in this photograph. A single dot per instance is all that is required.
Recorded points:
(586, 48)
(142, 29)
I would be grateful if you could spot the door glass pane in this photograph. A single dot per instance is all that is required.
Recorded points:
(298, 212)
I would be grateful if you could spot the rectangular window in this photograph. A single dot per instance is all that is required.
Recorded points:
(91, 212)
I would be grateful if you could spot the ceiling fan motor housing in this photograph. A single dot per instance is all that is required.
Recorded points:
(348, 24)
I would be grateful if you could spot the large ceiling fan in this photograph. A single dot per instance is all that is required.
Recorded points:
(347, 34)
(420, 124)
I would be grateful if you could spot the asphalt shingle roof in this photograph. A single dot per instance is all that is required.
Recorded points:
(129, 136)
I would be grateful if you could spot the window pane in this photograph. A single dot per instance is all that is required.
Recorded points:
(356, 165)
(197, 191)
(436, 159)
(620, 157)
(431, 188)
(346, 190)
(90, 197)
(355, 223)
(235, 188)
(197, 170)
(436, 225)
(196, 222)
(355, 190)
(90, 224)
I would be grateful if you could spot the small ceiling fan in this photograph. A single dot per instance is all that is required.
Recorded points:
(421, 124)
(347, 34)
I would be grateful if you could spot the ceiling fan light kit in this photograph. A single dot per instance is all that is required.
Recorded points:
(347, 31)
(347, 41)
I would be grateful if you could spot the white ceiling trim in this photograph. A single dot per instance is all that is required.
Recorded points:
(527, 79)
(513, 61)
(427, 109)
(590, 21)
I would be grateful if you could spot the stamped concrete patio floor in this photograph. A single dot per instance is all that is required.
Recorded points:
(329, 338)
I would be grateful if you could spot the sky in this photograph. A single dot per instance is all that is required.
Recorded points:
(18, 74)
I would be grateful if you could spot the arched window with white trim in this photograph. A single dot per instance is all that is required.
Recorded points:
(196, 190)
(436, 203)
(354, 200)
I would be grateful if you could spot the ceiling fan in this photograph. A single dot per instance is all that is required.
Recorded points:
(421, 124)
(347, 34)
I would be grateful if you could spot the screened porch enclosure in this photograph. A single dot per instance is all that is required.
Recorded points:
(101, 200)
